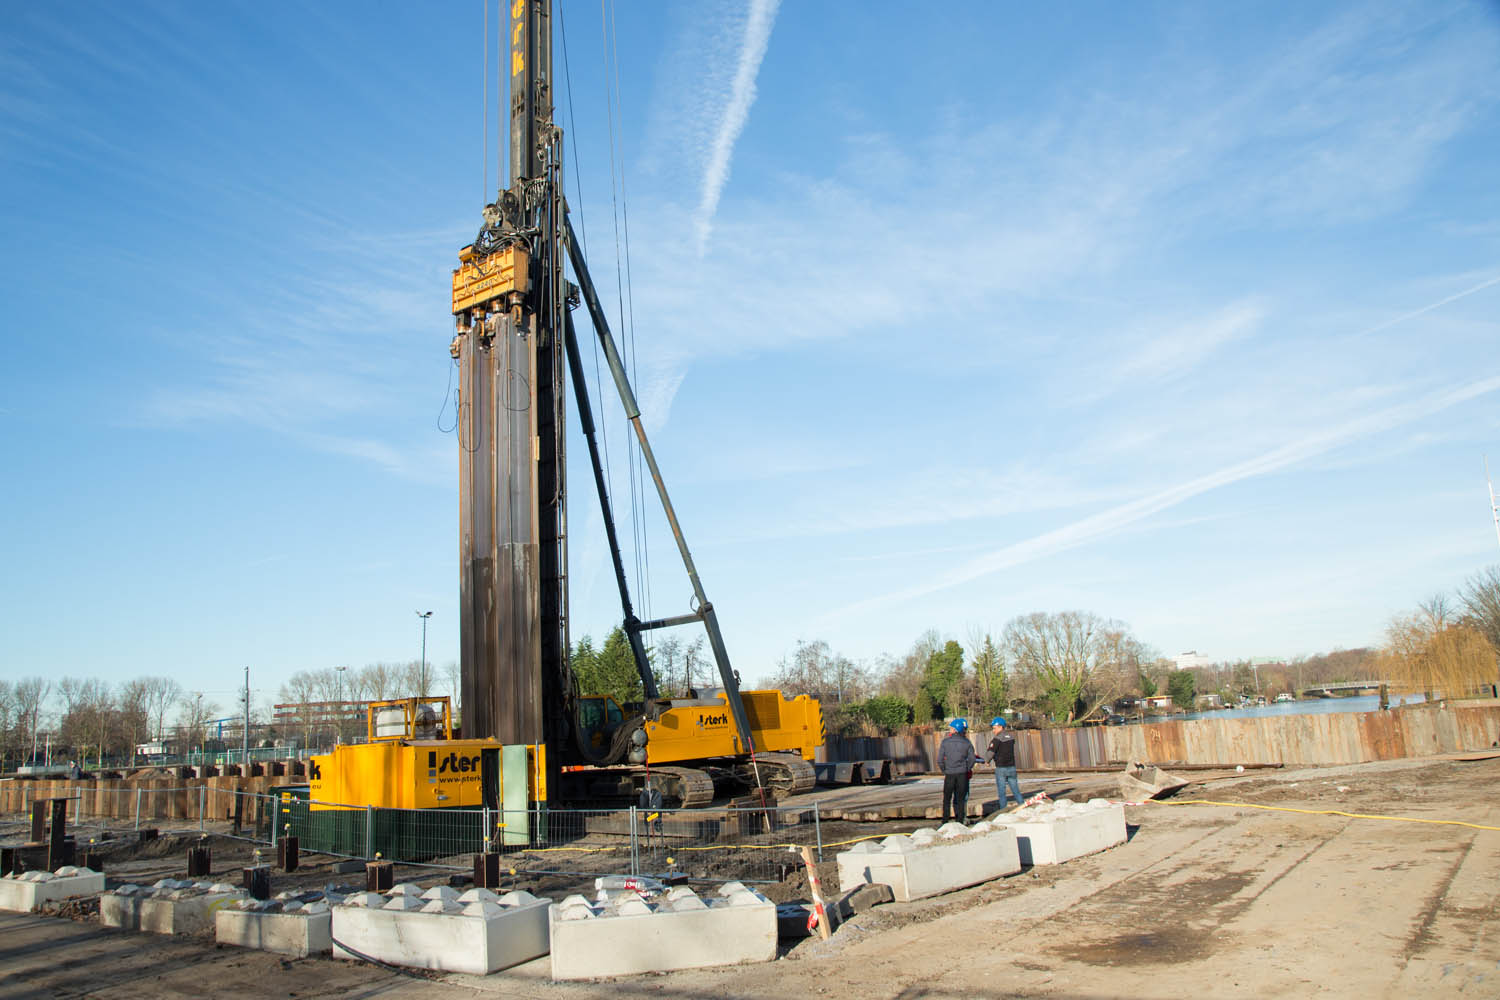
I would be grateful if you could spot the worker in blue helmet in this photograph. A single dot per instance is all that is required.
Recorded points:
(1002, 754)
(956, 759)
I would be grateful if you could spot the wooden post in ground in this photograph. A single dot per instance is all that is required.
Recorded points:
(817, 891)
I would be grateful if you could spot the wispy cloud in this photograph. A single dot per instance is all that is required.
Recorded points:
(1495, 280)
(1113, 520)
(705, 89)
(736, 110)
(1178, 351)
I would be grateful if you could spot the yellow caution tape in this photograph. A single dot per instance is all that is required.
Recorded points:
(1322, 812)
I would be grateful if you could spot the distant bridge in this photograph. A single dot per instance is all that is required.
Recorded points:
(1341, 686)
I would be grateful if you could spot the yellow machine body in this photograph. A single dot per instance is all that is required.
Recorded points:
(477, 281)
(398, 770)
(700, 732)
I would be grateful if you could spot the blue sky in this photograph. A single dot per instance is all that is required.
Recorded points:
(1183, 314)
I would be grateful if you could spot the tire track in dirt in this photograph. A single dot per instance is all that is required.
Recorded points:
(1177, 919)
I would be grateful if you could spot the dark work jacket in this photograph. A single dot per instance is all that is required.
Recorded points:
(955, 754)
(1003, 750)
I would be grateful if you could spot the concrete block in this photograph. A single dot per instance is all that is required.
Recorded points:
(857, 900)
(295, 929)
(31, 891)
(792, 920)
(1054, 832)
(931, 862)
(626, 935)
(169, 907)
(477, 931)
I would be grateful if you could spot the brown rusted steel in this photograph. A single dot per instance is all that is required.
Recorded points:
(1332, 738)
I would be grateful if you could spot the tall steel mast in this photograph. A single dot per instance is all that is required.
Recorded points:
(514, 342)
(507, 300)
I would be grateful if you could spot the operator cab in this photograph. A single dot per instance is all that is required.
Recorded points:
(598, 718)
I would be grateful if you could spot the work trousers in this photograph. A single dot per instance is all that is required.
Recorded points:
(1006, 780)
(956, 794)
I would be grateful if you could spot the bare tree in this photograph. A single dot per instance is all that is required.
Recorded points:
(1423, 654)
(379, 681)
(813, 669)
(30, 695)
(666, 653)
(453, 680)
(7, 718)
(300, 690)
(904, 676)
(193, 713)
(1438, 610)
(160, 695)
(692, 657)
(1074, 661)
(1480, 596)
(135, 716)
(88, 716)
(409, 680)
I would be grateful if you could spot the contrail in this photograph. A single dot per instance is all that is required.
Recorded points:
(736, 112)
(1429, 308)
(1109, 521)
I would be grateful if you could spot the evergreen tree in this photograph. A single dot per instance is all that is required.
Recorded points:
(585, 664)
(989, 672)
(614, 673)
(1183, 687)
(945, 668)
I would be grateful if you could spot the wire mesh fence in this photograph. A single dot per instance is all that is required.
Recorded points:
(197, 807)
(727, 844)
(758, 844)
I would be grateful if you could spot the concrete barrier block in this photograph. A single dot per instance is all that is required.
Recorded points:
(477, 932)
(1054, 832)
(931, 862)
(626, 935)
(287, 929)
(171, 906)
(30, 891)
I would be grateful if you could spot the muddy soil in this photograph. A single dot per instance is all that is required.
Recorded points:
(1266, 898)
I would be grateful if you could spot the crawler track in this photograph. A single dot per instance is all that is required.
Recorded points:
(785, 772)
(692, 787)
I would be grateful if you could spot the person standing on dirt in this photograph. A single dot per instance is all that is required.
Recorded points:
(956, 759)
(1002, 754)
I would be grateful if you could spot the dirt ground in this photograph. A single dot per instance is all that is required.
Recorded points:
(1229, 900)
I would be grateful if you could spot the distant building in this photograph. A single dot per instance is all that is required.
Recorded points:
(1190, 659)
(156, 748)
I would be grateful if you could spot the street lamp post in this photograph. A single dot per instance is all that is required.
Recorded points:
(338, 709)
(422, 677)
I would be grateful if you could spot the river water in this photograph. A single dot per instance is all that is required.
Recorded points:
(1312, 706)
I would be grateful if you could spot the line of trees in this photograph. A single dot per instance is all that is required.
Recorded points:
(1236, 680)
(1057, 667)
(89, 719)
(319, 726)
(609, 669)
(1063, 667)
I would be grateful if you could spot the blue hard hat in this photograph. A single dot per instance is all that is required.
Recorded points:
(959, 725)
(998, 720)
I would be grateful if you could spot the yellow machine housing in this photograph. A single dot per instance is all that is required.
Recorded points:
(480, 280)
(401, 771)
(701, 732)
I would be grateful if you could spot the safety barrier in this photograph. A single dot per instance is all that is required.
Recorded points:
(734, 843)
(713, 844)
